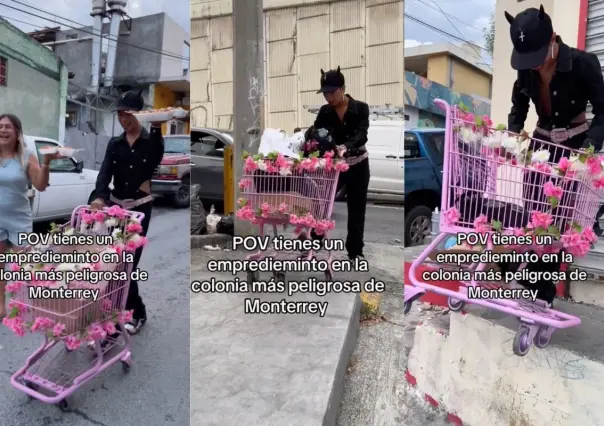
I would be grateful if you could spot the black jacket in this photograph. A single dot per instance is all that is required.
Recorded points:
(577, 80)
(129, 166)
(352, 131)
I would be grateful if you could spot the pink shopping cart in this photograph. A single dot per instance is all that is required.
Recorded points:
(303, 199)
(494, 182)
(56, 371)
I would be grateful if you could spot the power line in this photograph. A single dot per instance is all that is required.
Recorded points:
(441, 11)
(167, 54)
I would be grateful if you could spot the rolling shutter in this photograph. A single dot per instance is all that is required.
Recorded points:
(594, 40)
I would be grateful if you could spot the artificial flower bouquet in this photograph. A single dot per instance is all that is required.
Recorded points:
(282, 203)
(76, 321)
(497, 144)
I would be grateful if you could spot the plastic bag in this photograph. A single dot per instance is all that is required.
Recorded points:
(226, 225)
(212, 221)
(198, 213)
(275, 140)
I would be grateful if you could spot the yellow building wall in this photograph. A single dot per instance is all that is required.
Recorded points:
(468, 80)
(165, 98)
(438, 69)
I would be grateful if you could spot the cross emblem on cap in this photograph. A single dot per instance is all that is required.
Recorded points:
(521, 37)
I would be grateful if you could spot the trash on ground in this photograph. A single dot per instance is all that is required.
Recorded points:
(211, 248)
(212, 221)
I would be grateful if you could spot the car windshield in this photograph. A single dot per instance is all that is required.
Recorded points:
(177, 145)
(436, 140)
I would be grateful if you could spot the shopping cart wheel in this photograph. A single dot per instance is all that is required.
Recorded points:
(279, 276)
(407, 308)
(542, 338)
(126, 366)
(31, 386)
(455, 305)
(253, 276)
(63, 405)
(522, 344)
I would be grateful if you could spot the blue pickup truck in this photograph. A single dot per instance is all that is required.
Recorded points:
(424, 149)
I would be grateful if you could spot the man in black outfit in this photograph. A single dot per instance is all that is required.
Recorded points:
(347, 120)
(559, 80)
(130, 161)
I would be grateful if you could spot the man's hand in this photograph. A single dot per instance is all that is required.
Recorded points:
(341, 150)
(97, 204)
(524, 135)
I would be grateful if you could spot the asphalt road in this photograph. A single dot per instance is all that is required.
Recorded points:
(156, 390)
(383, 222)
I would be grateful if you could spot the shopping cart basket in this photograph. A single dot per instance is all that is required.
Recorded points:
(495, 182)
(304, 197)
(53, 373)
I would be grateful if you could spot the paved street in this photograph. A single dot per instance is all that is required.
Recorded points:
(383, 222)
(156, 391)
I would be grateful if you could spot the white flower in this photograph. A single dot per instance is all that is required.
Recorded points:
(135, 238)
(490, 141)
(109, 251)
(540, 156)
(110, 223)
(98, 227)
(322, 162)
(285, 171)
(468, 136)
(576, 164)
(83, 227)
(67, 267)
(261, 166)
(60, 284)
(510, 142)
(69, 231)
(116, 233)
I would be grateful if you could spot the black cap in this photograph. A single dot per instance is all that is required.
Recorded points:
(531, 32)
(131, 101)
(331, 81)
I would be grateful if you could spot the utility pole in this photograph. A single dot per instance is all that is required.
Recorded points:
(248, 88)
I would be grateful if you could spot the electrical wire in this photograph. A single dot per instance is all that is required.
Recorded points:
(167, 54)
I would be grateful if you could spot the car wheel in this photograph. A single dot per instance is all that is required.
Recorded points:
(182, 198)
(418, 224)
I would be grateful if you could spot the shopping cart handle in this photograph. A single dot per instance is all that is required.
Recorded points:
(442, 104)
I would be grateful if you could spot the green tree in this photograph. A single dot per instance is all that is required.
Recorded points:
(489, 35)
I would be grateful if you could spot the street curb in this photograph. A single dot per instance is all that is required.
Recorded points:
(220, 240)
(350, 342)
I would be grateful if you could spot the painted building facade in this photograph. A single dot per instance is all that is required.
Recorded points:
(363, 37)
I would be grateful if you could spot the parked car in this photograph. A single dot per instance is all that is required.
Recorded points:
(424, 150)
(71, 185)
(207, 162)
(172, 179)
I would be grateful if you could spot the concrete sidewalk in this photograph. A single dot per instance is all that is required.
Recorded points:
(258, 370)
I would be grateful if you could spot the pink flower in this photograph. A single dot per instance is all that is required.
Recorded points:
(250, 165)
(564, 164)
(14, 267)
(542, 167)
(107, 305)
(265, 210)
(281, 162)
(98, 216)
(142, 241)
(329, 154)
(14, 286)
(117, 211)
(109, 327)
(486, 121)
(514, 162)
(134, 228)
(541, 220)
(518, 232)
(16, 325)
(599, 182)
(58, 330)
(589, 235)
(125, 316)
(131, 246)
(245, 183)
(341, 166)
(270, 166)
(314, 163)
(245, 213)
(594, 165)
(72, 343)
(552, 191)
(328, 163)
(96, 331)
(482, 224)
(283, 208)
(42, 324)
(451, 216)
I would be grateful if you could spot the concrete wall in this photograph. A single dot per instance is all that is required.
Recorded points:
(458, 75)
(36, 84)
(565, 17)
(438, 70)
(174, 38)
(363, 37)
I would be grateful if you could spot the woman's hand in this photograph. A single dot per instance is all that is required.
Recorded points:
(49, 157)
(97, 204)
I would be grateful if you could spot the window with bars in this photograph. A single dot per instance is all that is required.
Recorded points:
(3, 71)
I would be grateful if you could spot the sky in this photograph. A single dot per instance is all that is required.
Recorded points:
(79, 11)
(465, 19)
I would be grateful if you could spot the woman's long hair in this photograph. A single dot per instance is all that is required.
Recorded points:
(20, 145)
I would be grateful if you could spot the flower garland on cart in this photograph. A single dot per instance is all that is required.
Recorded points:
(126, 239)
(503, 147)
(277, 165)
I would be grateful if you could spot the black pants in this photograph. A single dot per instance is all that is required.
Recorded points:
(134, 301)
(356, 180)
(533, 182)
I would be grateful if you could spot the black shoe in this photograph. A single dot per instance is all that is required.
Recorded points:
(597, 230)
(134, 326)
